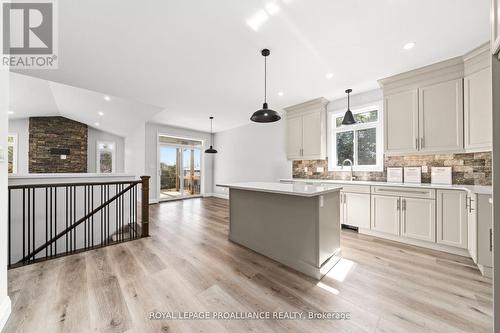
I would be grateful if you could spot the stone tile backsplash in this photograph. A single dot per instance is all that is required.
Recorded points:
(467, 168)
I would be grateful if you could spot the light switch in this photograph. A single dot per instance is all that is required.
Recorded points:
(425, 169)
(320, 169)
(305, 169)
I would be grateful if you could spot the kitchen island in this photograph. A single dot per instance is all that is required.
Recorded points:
(297, 225)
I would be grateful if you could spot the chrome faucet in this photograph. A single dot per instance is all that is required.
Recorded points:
(351, 178)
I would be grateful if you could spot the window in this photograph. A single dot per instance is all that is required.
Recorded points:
(361, 143)
(105, 157)
(12, 153)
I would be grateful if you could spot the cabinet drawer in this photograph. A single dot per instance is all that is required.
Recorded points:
(355, 188)
(410, 192)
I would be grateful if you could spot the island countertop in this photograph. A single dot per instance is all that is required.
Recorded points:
(298, 189)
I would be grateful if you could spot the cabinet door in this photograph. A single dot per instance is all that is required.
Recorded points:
(484, 231)
(472, 228)
(495, 26)
(452, 218)
(294, 137)
(478, 110)
(441, 117)
(357, 210)
(312, 132)
(401, 122)
(418, 219)
(385, 213)
(342, 207)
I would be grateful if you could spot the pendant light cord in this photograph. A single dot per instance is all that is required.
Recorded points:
(265, 79)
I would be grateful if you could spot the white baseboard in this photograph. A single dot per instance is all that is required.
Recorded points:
(153, 201)
(5, 308)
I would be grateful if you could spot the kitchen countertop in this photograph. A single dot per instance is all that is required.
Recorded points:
(300, 189)
(476, 189)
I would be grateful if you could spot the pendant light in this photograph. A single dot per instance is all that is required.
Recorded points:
(211, 150)
(265, 115)
(348, 117)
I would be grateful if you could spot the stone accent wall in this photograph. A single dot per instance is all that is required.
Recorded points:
(467, 168)
(57, 132)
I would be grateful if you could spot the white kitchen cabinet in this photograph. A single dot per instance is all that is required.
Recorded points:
(418, 218)
(441, 117)
(306, 130)
(355, 209)
(495, 26)
(294, 137)
(452, 218)
(484, 234)
(478, 99)
(401, 122)
(472, 226)
(311, 135)
(385, 214)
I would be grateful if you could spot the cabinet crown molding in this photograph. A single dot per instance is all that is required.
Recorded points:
(439, 72)
(312, 105)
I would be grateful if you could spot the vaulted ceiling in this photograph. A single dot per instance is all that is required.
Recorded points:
(193, 59)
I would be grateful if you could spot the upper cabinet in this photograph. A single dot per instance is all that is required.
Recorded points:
(440, 111)
(495, 26)
(306, 130)
(478, 100)
(441, 108)
(401, 115)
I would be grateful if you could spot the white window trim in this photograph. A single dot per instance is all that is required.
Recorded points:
(332, 130)
(15, 152)
(113, 156)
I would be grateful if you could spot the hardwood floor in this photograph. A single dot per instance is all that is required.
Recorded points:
(188, 264)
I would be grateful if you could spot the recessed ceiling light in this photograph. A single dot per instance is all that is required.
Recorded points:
(328, 76)
(107, 98)
(409, 46)
(280, 93)
(272, 8)
(100, 113)
(97, 124)
(258, 19)
(10, 112)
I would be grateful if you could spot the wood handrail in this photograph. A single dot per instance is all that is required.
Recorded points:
(17, 187)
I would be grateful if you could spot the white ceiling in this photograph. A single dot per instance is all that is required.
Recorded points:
(32, 97)
(194, 59)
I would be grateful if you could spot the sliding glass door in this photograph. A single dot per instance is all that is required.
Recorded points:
(180, 172)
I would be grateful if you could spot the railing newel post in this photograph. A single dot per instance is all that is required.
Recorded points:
(145, 206)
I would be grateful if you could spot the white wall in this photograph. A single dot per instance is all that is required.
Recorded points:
(21, 128)
(151, 162)
(254, 152)
(94, 136)
(4, 125)
(135, 151)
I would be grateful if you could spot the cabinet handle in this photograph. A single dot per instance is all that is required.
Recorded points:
(398, 204)
(416, 143)
(421, 142)
(491, 240)
(404, 204)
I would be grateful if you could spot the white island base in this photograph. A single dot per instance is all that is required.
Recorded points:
(296, 225)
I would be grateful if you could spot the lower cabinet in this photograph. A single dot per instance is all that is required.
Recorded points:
(355, 209)
(385, 214)
(484, 231)
(452, 218)
(418, 219)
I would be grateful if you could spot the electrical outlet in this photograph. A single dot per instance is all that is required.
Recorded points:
(320, 169)
(425, 169)
(305, 169)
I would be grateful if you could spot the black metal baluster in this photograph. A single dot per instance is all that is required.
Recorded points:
(92, 223)
(24, 220)
(101, 215)
(55, 218)
(29, 222)
(108, 209)
(67, 218)
(85, 214)
(74, 218)
(8, 229)
(46, 220)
